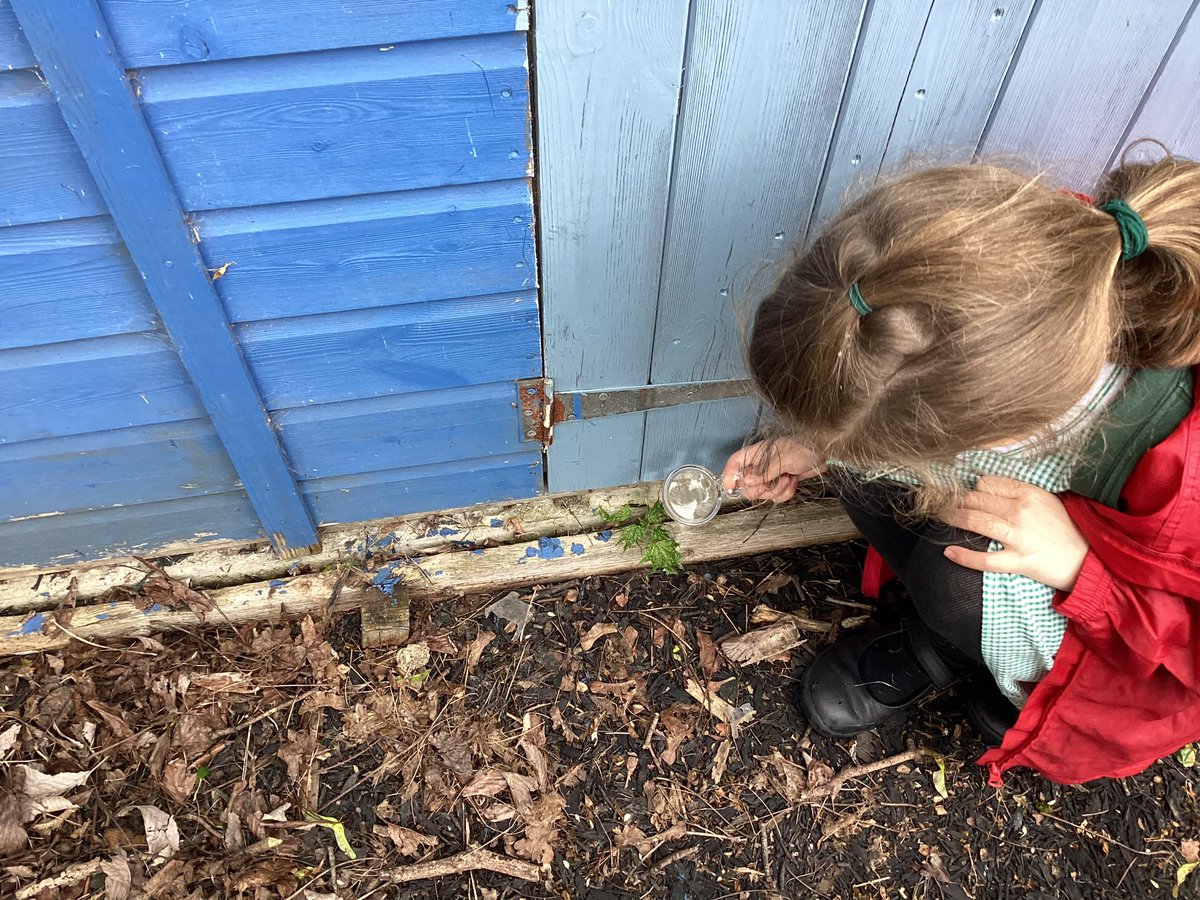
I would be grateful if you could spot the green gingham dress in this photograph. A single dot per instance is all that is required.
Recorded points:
(1021, 629)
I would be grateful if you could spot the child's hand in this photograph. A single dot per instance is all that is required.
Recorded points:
(771, 470)
(1040, 540)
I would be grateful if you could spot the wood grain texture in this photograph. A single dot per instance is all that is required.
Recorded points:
(1064, 109)
(95, 385)
(887, 44)
(1171, 110)
(165, 32)
(112, 469)
(77, 58)
(394, 350)
(380, 250)
(248, 132)
(956, 75)
(42, 173)
(732, 222)
(71, 538)
(402, 430)
(609, 75)
(63, 281)
(14, 51)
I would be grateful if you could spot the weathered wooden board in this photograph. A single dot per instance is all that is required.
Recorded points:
(380, 250)
(552, 516)
(14, 51)
(93, 385)
(112, 469)
(732, 222)
(394, 349)
(609, 77)
(1079, 80)
(163, 32)
(447, 574)
(345, 122)
(42, 174)
(62, 281)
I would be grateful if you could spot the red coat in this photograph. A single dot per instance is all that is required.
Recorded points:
(1124, 690)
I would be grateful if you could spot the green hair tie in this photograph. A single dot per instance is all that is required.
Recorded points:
(861, 306)
(1134, 237)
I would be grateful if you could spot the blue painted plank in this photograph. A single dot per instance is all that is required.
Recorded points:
(77, 58)
(250, 132)
(609, 76)
(114, 468)
(162, 32)
(381, 250)
(425, 488)
(393, 432)
(1171, 111)
(42, 174)
(74, 388)
(394, 350)
(76, 537)
(62, 281)
(14, 51)
(1078, 81)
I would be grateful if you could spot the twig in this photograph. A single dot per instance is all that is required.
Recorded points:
(470, 861)
(70, 875)
(650, 732)
(675, 857)
(249, 723)
(835, 784)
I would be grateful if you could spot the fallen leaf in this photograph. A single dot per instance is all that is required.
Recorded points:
(162, 832)
(1190, 850)
(934, 868)
(38, 785)
(512, 609)
(762, 644)
(407, 842)
(533, 745)
(225, 682)
(708, 653)
(1181, 875)
(1187, 756)
(541, 829)
(621, 600)
(593, 634)
(734, 716)
(8, 738)
(338, 829)
(939, 777)
(486, 783)
(113, 719)
(412, 658)
(220, 271)
(118, 879)
(720, 761)
(791, 782)
(454, 753)
(12, 836)
(179, 780)
(234, 838)
(762, 614)
(475, 649)
(677, 727)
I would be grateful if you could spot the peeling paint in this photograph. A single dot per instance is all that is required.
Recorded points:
(577, 549)
(157, 607)
(547, 548)
(604, 536)
(32, 625)
(496, 523)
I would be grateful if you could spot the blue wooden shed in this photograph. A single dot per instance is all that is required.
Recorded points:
(268, 266)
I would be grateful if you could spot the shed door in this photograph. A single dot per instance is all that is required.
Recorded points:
(687, 147)
(263, 266)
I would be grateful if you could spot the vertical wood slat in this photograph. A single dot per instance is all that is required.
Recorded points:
(1171, 111)
(609, 75)
(763, 86)
(76, 54)
(1080, 78)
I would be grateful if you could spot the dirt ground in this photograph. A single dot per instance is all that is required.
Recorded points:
(591, 737)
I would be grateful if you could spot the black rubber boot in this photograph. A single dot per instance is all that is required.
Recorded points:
(992, 712)
(867, 679)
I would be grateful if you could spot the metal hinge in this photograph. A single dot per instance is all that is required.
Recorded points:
(541, 408)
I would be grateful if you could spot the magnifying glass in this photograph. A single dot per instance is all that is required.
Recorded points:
(692, 495)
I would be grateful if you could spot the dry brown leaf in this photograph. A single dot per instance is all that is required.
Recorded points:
(220, 271)
(541, 829)
(38, 785)
(630, 637)
(8, 738)
(12, 836)
(454, 753)
(652, 842)
(720, 761)
(162, 832)
(593, 634)
(533, 745)
(1190, 850)
(225, 682)
(734, 716)
(234, 838)
(179, 780)
(407, 842)
(441, 642)
(477, 646)
(818, 773)
(112, 718)
(621, 600)
(677, 726)
(195, 730)
(763, 643)
(708, 653)
(486, 783)
(118, 879)
(792, 780)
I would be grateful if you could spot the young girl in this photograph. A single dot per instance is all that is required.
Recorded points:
(996, 376)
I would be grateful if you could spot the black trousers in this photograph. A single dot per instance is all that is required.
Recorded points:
(947, 598)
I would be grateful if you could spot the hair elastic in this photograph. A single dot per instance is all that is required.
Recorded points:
(861, 306)
(1134, 237)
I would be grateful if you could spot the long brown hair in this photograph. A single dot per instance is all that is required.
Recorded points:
(996, 299)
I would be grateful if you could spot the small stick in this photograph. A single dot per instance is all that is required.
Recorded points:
(650, 732)
(234, 729)
(675, 857)
(70, 875)
(470, 861)
(835, 784)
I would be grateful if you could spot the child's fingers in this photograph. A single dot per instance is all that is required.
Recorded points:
(999, 486)
(978, 521)
(982, 561)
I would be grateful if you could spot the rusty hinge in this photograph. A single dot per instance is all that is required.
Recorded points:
(541, 408)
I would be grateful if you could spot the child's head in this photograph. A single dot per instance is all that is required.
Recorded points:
(994, 302)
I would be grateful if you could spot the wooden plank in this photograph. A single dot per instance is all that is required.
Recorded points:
(887, 44)
(165, 32)
(14, 51)
(71, 538)
(394, 349)
(352, 498)
(732, 224)
(1079, 80)
(380, 250)
(1171, 110)
(249, 132)
(42, 174)
(112, 469)
(94, 385)
(448, 574)
(958, 71)
(63, 281)
(408, 429)
(609, 76)
(75, 51)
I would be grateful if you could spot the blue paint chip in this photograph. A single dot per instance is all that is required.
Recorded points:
(531, 551)
(33, 625)
(112, 604)
(477, 553)
(102, 616)
(276, 583)
(157, 607)
(549, 548)
(577, 549)
(605, 535)
(387, 579)
(496, 523)
(446, 532)
(438, 572)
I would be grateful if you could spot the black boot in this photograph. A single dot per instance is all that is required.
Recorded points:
(865, 680)
(992, 712)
